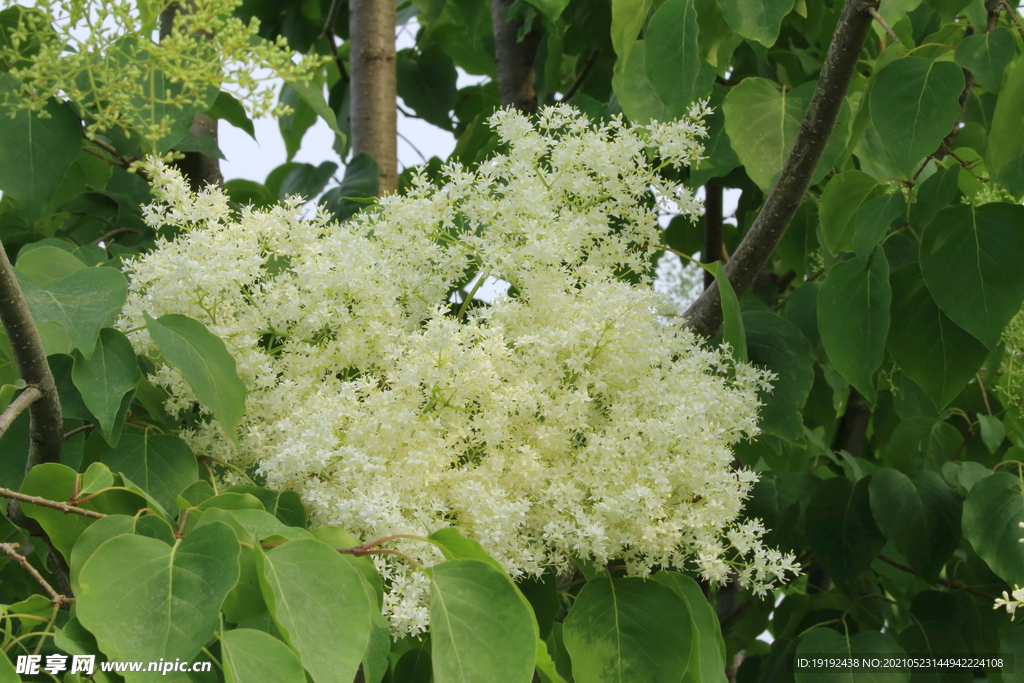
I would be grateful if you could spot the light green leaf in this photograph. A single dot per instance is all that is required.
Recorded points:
(96, 478)
(986, 56)
(758, 20)
(930, 348)
(46, 265)
(144, 599)
(636, 95)
(919, 514)
(732, 333)
(708, 654)
(546, 670)
(777, 344)
(628, 630)
(318, 602)
(36, 150)
(55, 482)
(80, 302)
(105, 379)
(914, 104)
(628, 17)
(853, 318)
(455, 546)
(992, 512)
(160, 464)
(481, 626)
(841, 202)
(1006, 133)
(992, 431)
(206, 365)
(338, 538)
(672, 60)
(721, 158)
(828, 643)
(107, 528)
(313, 94)
(970, 258)
(285, 505)
(7, 673)
(251, 656)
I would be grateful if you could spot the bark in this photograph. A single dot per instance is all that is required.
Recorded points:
(514, 59)
(705, 314)
(852, 434)
(374, 93)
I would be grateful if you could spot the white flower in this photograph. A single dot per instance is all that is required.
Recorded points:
(564, 420)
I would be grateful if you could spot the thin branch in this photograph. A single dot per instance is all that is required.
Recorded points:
(66, 508)
(18, 406)
(414, 147)
(587, 66)
(11, 550)
(328, 32)
(888, 29)
(79, 430)
(948, 583)
(705, 315)
(1014, 18)
(116, 231)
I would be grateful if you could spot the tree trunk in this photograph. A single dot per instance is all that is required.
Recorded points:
(514, 59)
(374, 93)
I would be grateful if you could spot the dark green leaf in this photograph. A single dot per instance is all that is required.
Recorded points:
(105, 379)
(914, 105)
(930, 348)
(294, 125)
(992, 512)
(921, 442)
(840, 528)
(992, 431)
(201, 144)
(307, 180)
(841, 202)
(935, 194)
(872, 222)
(919, 514)
(362, 179)
(144, 599)
(161, 464)
(1006, 131)
(720, 156)
(206, 365)
(827, 643)
(986, 56)
(426, 83)
(313, 95)
(249, 193)
(628, 630)
(777, 344)
(675, 68)
(970, 260)
(318, 602)
(473, 606)
(229, 109)
(853, 318)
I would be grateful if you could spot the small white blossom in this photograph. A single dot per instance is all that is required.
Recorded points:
(562, 421)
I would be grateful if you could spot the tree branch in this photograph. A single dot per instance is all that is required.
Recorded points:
(705, 314)
(514, 59)
(373, 88)
(948, 583)
(66, 508)
(11, 550)
(584, 72)
(18, 406)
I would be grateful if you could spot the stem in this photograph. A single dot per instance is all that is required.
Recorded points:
(582, 76)
(705, 315)
(948, 583)
(53, 504)
(17, 407)
(79, 430)
(328, 32)
(374, 89)
(11, 550)
(514, 59)
(888, 29)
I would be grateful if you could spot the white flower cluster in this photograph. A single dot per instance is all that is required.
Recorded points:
(561, 421)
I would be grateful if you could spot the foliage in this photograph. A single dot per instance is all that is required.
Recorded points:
(889, 453)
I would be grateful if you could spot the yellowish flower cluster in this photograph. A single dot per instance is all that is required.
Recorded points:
(105, 57)
(562, 421)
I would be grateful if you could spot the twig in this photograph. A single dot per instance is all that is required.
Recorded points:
(11, 550)
(582, 76)
(414, 148)
(705, 314)
(948, 583)
(328, 32)
(888, 29)
(52, 504)
(1014, 18)
(79, 430)
(984, 394)
(116, 231)
(18, 406)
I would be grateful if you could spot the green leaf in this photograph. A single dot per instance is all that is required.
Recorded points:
(293, 126)
(986, 56)
(251, 656)
(229, 109)
(672, 60)
(930, 348)
(206, 365)
(249, 193)
(55, 482)
(758, 20)
(1006, 131)
(841, 531)
(721, 158)
(921, 442)
(841, 202)
(628, 18)
(1012, 644)
(318, 602)
(992, 431)
(827, 643)
(36, 150)
(970, 258)
(162, 465)
(307, 180)
(992, 512)
(473, 608)
(96, 478)
(853, 318)
(313, 94)
(634, 91)
(107, 528)
(777, 344)
(935, 194)
(7, 673)
(201, 144)
(732, 322)
(427, 84)
(872, 222)
(455, 546)
(628, 629)
(708, 654)
(144, 599)
(919, 514)
(47, 265)
(375, 660)
(80, 303)
(546, 669)
(362, 179)
(285, 505)
(549, 9)
(914, 104)
(105, 379)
